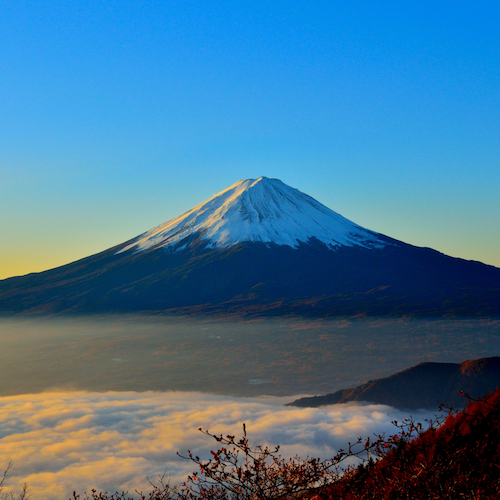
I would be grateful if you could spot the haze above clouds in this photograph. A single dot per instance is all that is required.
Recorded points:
(60, 442)
(288, 356)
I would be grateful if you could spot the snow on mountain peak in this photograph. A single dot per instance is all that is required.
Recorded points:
(258, 210)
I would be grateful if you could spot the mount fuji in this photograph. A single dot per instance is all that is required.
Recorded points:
(261, 247)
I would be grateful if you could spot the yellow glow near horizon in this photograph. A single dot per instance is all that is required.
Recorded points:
(24, 259)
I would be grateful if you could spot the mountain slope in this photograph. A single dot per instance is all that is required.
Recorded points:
(426, 385)
(261, 247)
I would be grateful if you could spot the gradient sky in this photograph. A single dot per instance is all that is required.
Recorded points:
(119, 115)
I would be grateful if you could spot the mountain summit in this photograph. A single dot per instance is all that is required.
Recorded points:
(257, 210)
(261, 247)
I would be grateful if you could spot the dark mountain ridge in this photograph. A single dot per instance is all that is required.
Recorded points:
(426, 385)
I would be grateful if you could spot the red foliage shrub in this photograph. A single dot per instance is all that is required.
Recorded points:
(459, 459)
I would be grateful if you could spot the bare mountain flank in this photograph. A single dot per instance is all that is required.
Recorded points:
(426, 385)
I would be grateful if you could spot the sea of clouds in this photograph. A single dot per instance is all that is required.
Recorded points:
(65, 441)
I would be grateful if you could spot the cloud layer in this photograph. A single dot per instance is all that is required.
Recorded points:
(60, 442)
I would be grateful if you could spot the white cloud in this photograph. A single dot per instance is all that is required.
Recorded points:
(60, 442)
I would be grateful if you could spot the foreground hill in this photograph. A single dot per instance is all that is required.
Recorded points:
(426, 385)
(459, 459)
(261, 247)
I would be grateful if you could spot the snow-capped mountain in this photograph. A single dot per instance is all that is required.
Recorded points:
(261, 247)
(258, 210)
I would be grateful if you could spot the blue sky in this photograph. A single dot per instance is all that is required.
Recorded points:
(118, 115)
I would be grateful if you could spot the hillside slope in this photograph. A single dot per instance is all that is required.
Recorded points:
(459, 459)
(426, 385)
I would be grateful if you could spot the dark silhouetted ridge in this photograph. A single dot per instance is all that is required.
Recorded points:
(426, 385)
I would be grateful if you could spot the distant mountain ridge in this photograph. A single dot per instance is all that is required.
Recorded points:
(261, 247)
(426, 385)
